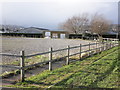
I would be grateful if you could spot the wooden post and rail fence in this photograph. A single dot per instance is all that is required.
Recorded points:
(22, 56)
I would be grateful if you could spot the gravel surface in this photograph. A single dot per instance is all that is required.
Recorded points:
(14, 45)
(35, 45)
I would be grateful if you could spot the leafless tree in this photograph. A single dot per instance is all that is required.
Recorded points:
(99, 24)
(75, 24)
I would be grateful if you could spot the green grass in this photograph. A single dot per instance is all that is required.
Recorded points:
(99, 71)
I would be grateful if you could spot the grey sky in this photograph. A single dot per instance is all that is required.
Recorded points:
(50, 14)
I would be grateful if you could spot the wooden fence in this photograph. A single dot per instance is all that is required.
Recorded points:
(103, 46)
(110, 39)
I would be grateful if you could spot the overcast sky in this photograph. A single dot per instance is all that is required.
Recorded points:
(49, 14)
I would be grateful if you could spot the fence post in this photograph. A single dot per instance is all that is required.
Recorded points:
(106, 46)
(115, 44)
(22, 72)
(107, 39)
(110, 45)
(99, 48)
(96, 47)
(89, 49)
(103, 47)
(50, 59)
(68, 55)
(80, 51)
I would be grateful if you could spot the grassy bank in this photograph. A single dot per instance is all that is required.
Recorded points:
(98, 71)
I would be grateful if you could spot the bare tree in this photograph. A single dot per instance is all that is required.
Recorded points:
(99, 24)
(75, 24)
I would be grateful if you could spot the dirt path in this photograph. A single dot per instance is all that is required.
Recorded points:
(13, 79)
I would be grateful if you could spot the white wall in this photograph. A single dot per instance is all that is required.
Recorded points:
(62, 36)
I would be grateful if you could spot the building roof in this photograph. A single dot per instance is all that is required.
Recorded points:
(58, 31)
(111, 33)
(32, 30)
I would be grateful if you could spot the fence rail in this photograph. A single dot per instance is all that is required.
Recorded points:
(10, 55)
(110, 39)
(11, 66)
(103, 46)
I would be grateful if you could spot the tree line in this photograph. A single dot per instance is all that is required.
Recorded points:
(80, 24)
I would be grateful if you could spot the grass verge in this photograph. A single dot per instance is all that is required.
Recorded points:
(99, 71)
